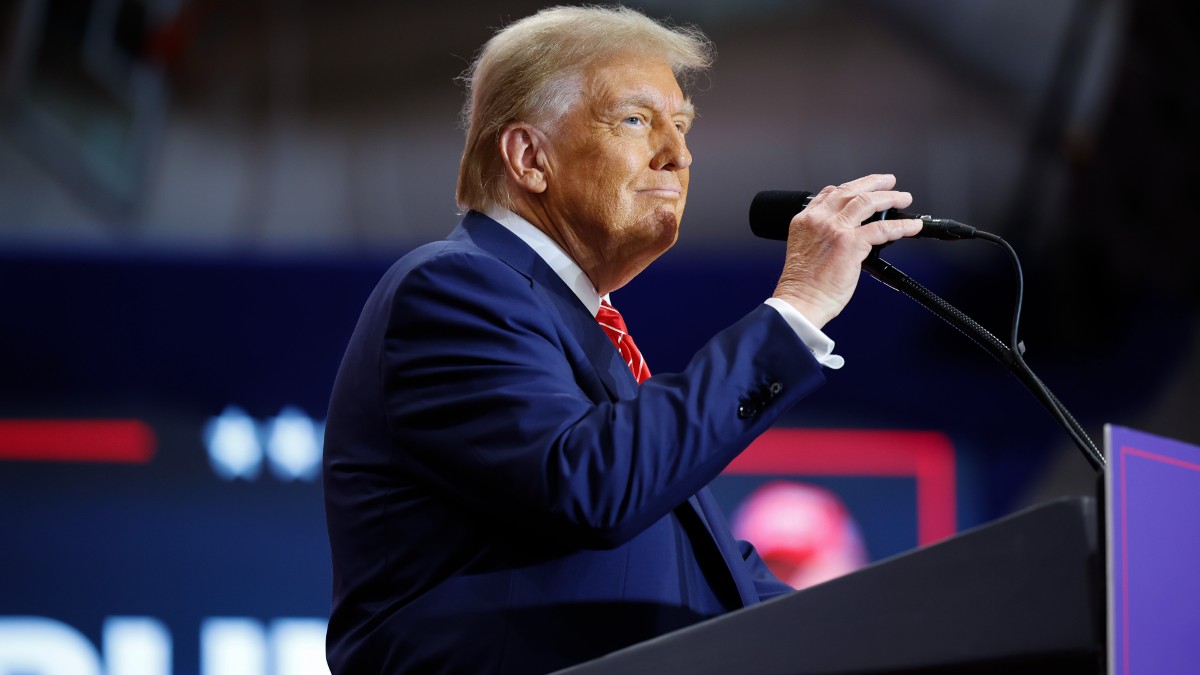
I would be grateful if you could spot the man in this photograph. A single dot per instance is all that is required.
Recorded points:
(502, 494)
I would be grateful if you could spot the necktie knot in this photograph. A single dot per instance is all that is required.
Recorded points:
(614, 327)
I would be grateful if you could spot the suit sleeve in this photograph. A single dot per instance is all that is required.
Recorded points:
(483, 399)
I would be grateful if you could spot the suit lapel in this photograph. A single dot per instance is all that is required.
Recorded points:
(495, 239)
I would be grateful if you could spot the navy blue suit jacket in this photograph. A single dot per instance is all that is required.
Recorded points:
(502, 496)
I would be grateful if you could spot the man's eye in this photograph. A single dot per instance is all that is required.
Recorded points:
(634, 120)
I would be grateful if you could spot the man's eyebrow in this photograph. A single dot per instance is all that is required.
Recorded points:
(687, 110)
(652, 102)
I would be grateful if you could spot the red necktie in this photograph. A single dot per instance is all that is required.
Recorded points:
(614, 327)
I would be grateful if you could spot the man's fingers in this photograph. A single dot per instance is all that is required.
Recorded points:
(843, 192)
(863, 205)
(883, 231)
(870, 183)
(857, 200)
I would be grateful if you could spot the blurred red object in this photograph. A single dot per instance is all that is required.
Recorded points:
(803, 532)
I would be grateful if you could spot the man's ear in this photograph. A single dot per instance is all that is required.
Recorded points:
(522, 148)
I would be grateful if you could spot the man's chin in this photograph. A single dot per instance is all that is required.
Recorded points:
(652, 246)
(666, 232)
(665, 223)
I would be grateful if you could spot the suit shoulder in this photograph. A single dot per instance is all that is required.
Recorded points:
(461, 260)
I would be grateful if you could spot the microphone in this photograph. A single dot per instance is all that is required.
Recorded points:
(771, 215)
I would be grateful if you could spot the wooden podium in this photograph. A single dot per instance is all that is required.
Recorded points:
(1022, 594)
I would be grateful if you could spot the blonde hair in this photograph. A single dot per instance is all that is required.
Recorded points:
(529, 71)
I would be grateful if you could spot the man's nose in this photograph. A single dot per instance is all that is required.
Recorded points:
(672, 154)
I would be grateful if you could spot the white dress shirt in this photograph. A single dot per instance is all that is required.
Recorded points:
(575, 278)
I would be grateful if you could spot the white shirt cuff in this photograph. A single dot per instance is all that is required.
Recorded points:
(817, 342)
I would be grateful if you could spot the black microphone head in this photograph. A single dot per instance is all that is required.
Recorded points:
(772, 211)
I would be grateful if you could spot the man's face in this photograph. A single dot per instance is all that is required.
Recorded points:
(617, 168)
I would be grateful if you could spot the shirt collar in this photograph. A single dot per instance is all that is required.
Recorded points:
(549, 250)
